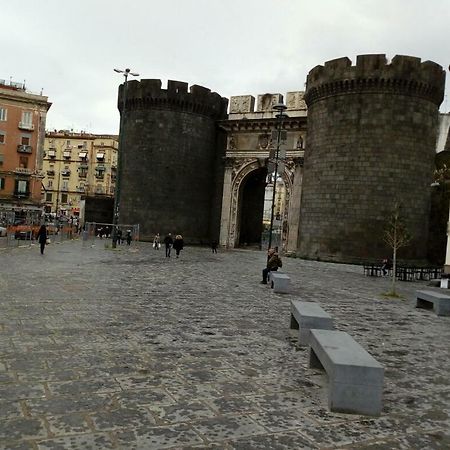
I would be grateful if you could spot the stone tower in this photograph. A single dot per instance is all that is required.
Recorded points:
(371, 141)
(171, 160)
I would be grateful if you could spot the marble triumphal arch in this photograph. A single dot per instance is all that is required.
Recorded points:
(249, 141)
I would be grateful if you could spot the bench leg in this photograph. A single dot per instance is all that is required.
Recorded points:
(314, 362)
(294, 323)
(442, 308)
(355, 399)
(424, 304)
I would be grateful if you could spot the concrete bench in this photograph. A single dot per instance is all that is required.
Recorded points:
(440, 303)
(306, 316)
(280, 282)
(355, 377)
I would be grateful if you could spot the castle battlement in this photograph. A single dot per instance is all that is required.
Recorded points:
(404, 75)
(148, 93)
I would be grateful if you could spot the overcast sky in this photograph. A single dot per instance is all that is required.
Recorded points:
(234, 47)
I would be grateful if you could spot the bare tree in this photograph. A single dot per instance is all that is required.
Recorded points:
(396, 235)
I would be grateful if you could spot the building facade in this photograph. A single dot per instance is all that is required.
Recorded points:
(22, 132)
(77, 165)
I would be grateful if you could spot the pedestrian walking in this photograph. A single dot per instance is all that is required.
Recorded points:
(273, 263)
(168, 242)
(128, 237)
(156, 242)
(178, 244)
(119, 236)
(42, 237)
(214, 245)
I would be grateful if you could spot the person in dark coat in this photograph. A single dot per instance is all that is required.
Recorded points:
(214, 245)
(42, 237)
(273, 263)
(128, 237)
(178, 244)
(168, 242)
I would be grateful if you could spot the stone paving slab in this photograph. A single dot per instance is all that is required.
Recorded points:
(127, 349)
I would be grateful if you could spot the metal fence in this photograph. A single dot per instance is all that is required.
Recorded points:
(95, 232)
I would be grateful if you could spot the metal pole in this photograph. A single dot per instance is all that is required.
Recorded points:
(280, 108)
(116, 211)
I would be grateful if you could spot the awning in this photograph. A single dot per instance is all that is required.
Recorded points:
(100, 155)
(82, 154)
(51, 153)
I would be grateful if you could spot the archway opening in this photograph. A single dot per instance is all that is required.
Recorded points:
(252, 207)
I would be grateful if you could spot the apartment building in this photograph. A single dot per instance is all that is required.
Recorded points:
(77, 165)
(22, 133)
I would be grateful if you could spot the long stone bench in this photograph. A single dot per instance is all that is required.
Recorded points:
(355, 377)
(306, 316)
(440, 303)
(280, 282)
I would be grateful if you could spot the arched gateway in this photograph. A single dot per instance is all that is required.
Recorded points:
(249, 141)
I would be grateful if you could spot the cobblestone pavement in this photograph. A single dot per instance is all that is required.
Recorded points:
(126, 349)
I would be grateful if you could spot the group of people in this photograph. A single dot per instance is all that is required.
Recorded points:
(169, 242)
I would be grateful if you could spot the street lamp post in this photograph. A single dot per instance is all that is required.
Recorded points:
(125, 73)
(280, 108)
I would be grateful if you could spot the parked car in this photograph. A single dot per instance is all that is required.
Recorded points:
(3, 231)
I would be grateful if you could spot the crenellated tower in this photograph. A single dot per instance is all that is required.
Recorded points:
(171, 160)
(371, 140)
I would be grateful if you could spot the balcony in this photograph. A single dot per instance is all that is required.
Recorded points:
(26, 126)
(24, 148)
(22, 171)
(50, 173)
(81, 189)
(100, 175)
(65, 173)
(21, 194)
(82, 174)
(52, 154)
(67, 154)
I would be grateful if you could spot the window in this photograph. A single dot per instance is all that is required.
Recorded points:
(48, 197)
(2, 183)
(21, 186)
(23, 162)
(27, 121)
(2, 137)
(50, 184)
(27, 117)
(65, 185)
(1, 159)
(25, 139)
(63, 198)
(3, 114)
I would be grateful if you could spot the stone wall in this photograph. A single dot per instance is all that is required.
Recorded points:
(371, 140)
(170, 159)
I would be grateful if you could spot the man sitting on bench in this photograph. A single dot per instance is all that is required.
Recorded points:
(273, 262)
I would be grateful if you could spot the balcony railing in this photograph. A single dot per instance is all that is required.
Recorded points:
(22, 171)
(65, 173)
(24, 148)
(26, 126)
(81, 189)
(20, 194)
(82, 174)
(100, 176)
(51, 173)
